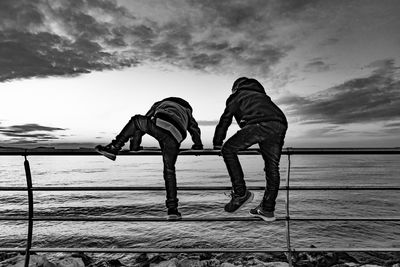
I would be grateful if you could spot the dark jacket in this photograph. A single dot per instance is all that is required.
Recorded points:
(249, 104)
(175, 115)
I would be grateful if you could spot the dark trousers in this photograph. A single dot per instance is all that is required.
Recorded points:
(135, 129)
(270, 137)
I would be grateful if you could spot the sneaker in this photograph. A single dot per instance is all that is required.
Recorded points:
(267, 216)
(110, 151)
(238, 201)
(174, 214)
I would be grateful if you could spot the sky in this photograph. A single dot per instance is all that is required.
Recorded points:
(72, 73)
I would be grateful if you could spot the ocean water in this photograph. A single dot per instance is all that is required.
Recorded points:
(310, 170)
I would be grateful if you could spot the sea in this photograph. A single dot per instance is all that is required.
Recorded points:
(306, 170)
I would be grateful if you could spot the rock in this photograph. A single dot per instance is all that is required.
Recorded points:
(142, 260)
(264, 257)
(237, 263)
(205, 256)
(34, 261)
(189, 263)
(394, 262)
(257, 262)
(277, 264)
(370, 257)
(227, 264)
(70, 262)
(170, 263)
(371, 265)
(348, 264)
(157, 259)
(12, 261)
(7, 255)
(85, 258)
(115, 263)
(345, 258)
(210, 263)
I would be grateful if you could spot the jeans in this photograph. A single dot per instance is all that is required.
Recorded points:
(270, 138)
(135, 129)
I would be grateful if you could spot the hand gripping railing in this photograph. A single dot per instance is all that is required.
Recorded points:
(154, 151)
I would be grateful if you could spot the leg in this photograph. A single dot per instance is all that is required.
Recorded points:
(243, 139)
(271, 149)
(136, 128)
(170, 149)
(135, 141)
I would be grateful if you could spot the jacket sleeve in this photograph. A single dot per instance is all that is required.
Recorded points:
(224, 122)
(194, 130)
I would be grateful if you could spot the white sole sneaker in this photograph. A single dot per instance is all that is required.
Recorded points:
(260, 215)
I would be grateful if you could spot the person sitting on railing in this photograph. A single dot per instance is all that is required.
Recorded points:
(167, 121)
(262, 122)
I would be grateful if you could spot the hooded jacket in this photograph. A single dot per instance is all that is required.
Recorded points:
(175, 115)
(249, 104)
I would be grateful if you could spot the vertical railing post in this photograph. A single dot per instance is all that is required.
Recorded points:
(30, 210)
(288, 245)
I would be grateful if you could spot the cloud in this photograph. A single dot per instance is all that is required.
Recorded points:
(392, 128)
(393, 124)
(316, 65)
(326, 132)
(40, 38)
(370, 99)
(29, 133)
(329, 41)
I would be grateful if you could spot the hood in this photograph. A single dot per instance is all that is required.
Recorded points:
(244, 83)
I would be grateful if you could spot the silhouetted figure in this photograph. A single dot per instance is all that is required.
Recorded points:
(262, 122)
(167, 121)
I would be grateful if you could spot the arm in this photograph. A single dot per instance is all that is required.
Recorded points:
(224, 123)
(194, 130)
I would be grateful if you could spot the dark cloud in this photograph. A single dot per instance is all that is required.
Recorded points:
(202, 61)
(392, 124)
(30, 128)
(29, 133)
(164, 50)
(316, 65)
(40, 38)
(370, 99)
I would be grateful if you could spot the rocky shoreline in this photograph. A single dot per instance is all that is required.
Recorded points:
(313, 259)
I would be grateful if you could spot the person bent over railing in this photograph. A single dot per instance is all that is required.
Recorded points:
(167, 121)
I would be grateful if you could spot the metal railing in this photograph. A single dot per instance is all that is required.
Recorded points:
(31, 218)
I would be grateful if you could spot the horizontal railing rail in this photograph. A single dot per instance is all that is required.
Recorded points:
(46, 151)
(193, 219)
(194, 188)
